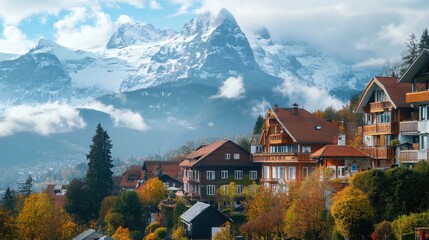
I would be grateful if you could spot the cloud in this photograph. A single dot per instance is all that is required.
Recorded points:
(14, 41)
(232, 88)
(153, 4)
(185, 5)
(260, 108)
(309, 97)
(44, 119)
(121, 117)
(181, 122)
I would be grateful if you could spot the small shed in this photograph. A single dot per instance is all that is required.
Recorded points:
(91, 234)
(202, 221)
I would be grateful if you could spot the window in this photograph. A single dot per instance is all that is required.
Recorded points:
(238, 174)
(193, 174)
(341, 172)
(224, 189)
(304, 171)
(224, 174)
(291, 173)
(423, 112)
(253, 175)
(266, 172)
(279, 172)
(210, 189)
(236, 155)
(306, 149)
(227, 156)
(239, 189)
(210, 175)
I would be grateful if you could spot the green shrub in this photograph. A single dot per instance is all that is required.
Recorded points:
(407, 223)
(152, 227)
(161, 232)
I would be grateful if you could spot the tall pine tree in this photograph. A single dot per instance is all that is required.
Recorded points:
(258, 124)
(410, 54)
(424, 40)
(99, 174)
(25, 187)
(9, 201)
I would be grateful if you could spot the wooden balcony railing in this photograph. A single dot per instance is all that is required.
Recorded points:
(408, 127)
(379, 106)
(417, 97)
(382, 128)
(281, 157)
(380, 152)
(279, 138)
(409, 156)
(191, 180)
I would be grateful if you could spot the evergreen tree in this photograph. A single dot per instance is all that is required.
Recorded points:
(410, 54)
(129, 207)
(79, 202)
(424, 40)
(99, 174)
(25, 187)
(258, 124)
(9, 200)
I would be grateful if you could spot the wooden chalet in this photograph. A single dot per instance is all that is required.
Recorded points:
(386, 116)
(285, 144)
(131, 178)
(209, 167)
(417, 75)
(344, 160)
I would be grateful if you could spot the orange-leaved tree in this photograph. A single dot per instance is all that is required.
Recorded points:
(122, 234)
(152, 192)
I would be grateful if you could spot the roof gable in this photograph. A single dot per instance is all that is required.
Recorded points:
(338, 151)
(303, 127)
(419, 66)
(395, 92)
(194, 211)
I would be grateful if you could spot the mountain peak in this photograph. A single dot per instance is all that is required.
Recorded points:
(46, 43)
(263, 33)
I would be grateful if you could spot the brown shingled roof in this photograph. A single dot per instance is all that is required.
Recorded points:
(131, 176)
(338, 151)
(304, 127)
(199, 154)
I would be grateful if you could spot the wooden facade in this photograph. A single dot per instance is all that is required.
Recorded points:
(289, 137)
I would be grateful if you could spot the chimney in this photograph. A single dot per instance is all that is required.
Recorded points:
(295, 109)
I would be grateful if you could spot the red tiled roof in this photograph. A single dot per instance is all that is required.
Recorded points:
(199, 154)
(170, 168)
(131, 176)
(54, 191)
(339, 151)
(304, 127)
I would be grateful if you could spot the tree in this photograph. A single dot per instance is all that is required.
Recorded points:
(179, 209)
(79, 201)
(152, 192)
(392, 68)
(224, 233)
(228, 194)
(352, 213)
(7, 226)
(112, 221)
(306, 217)
(258, 124)
(129, 207)
(107, 205)
(408, 223)
(25, 187)
(383, 231)
(99, 174)
(244, 142)
(122, 234)
(9, 201)
(410, 54)
(40, 219)
(424, 40)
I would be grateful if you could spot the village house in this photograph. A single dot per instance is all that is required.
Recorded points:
(167, 172)
(343, 160)
(417, 75)
(387, 116)
(211, 166)
(288, 138)
(202, 221)
(57, 192)
(132, 178)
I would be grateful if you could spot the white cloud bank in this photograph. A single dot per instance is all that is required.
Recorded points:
(309, 97)
(44, 119)
(232, 88)
(121, 117)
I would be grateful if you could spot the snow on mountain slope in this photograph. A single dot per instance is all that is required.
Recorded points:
(306, 64)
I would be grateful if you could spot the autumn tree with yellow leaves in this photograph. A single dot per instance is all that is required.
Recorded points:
(122, 234)
(40, 219)
(152, 192)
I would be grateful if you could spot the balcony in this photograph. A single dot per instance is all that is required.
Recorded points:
(379, 106)
(409, 156)
(281, 157)
(383, 152)
(417, 97)
(408, 127)
(279, 138)
(191, 180)
(382, 128)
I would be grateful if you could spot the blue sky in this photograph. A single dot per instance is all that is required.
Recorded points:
(363, 31)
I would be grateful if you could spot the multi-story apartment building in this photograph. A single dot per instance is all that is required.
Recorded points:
(213, 166)
(288, 138)
(386, 115)
(417, 75)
